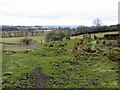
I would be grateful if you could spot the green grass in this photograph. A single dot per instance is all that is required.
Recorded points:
(97, 34)
(38, 38)
(61, 66)
(17, 39)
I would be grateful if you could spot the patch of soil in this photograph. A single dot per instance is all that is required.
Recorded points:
(40, 78)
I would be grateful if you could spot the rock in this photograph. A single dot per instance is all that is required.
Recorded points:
(93, 50)
(90, 50)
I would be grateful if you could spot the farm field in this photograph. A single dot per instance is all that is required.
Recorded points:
(42, 37)
(97, 34)
(38, 38)
(17, 39)
(57, 65)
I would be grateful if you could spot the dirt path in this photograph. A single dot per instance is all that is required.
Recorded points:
(40, 78)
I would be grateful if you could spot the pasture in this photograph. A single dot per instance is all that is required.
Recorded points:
(17, 39)
(97, 34)
(38, 38)
(55, 65)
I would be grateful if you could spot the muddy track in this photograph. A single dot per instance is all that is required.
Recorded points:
(40, 78)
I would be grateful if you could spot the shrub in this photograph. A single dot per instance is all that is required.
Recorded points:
(51, 45)
(54, 36)
(65, 43)
(49, 35)
(114, 55)
(27, 41)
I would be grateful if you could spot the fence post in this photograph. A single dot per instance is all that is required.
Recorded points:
(41, 41)
(3, 46)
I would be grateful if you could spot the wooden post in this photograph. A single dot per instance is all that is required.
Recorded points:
(22, 33)
(3, 46)
(41, 41)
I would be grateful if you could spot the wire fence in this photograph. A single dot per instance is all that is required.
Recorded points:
(15, 46)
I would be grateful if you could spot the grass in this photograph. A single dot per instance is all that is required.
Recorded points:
(38, 38)
(64, 69)
(17, 39)
(97, 34)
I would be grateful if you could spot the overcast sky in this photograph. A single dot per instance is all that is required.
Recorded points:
(58, 12)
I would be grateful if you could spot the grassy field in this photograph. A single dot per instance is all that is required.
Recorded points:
(8, 47)
(38, 38)
(58, 66)
(97, 34)
(17, 39)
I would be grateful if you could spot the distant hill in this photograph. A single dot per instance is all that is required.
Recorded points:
(61, 26)
(46, 27)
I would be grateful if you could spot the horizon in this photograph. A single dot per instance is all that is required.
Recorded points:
(54, 25)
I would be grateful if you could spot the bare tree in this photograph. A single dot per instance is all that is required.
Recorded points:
(97, 22)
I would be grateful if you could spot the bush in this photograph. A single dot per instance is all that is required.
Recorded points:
(114, 55)
(27, 41)
(54, 36)
(49, 36)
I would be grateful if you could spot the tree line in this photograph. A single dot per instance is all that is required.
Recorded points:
(13, 32)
